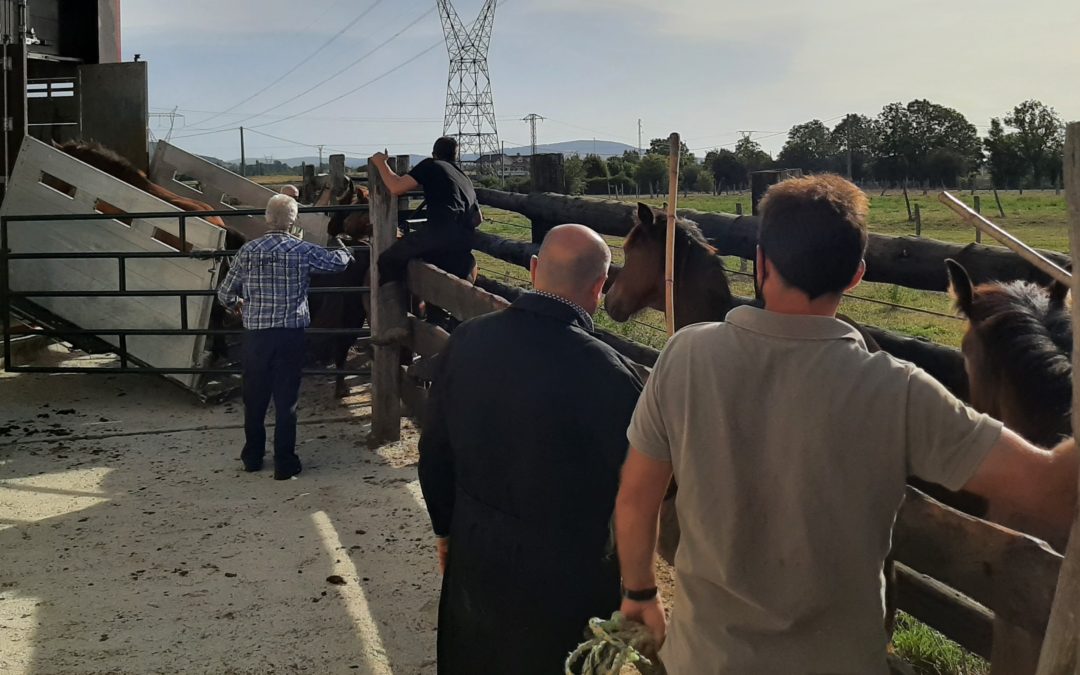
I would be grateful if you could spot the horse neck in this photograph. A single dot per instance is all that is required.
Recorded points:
(701, 288)
(1040, 421)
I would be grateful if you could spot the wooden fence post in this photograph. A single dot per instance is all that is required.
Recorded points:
(1059, 651)
(337, 174)
(546, 174)
(997, 198)
(907, 202)
(978, 209)
(387, 312)
(308, 187)
(918, 220)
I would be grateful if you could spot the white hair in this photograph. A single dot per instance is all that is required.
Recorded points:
(281, 212)
(291, 191)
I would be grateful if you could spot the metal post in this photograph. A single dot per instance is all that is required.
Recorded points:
(5, 300)
(183, 232)
(243, 159)
(183, 311)
(122, 262)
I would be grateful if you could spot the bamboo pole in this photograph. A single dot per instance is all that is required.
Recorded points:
(673, 198)
(983, 224)
(1059, 650)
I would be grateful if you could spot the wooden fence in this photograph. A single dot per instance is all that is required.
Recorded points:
(985, 586)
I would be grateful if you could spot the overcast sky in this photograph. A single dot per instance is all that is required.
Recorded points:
(706, 68)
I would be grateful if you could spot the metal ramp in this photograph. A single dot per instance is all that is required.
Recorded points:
(218, 184)
(64, 269)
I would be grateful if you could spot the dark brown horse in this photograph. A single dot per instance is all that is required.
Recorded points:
(701, 287)
(342, 310)
(110, 162)
(1018, 353)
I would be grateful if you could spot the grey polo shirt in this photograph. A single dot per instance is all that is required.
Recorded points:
(791, 445)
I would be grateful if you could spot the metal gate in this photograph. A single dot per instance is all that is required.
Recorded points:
(153, 326)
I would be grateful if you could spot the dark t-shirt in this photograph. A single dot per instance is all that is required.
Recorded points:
(448, 192)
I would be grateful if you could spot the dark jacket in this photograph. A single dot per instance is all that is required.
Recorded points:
(522, 444)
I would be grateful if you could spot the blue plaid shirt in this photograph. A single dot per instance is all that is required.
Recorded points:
(271, 275)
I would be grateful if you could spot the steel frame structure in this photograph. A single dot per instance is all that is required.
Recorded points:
(470, 107)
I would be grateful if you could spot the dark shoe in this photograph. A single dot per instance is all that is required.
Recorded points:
(285, 470)
(251, 462)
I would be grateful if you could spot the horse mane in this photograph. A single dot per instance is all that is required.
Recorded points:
(1028, 338)
(98, 156)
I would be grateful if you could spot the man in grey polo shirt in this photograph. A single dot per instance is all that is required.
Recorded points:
(791, 445)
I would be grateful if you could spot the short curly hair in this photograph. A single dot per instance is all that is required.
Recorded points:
(813, 230)
(281, 212)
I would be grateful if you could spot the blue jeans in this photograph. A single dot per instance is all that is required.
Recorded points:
(272, 360)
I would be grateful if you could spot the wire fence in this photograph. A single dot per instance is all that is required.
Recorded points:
(895, 305)
(851, 296)
(524, 226)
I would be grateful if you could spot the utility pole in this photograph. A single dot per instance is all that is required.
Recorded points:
(532, 118)
(639, 137)
(243, 160)
(320, 147)
(503, 162)
(849, 152)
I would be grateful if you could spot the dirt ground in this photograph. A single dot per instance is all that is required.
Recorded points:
(131, 541)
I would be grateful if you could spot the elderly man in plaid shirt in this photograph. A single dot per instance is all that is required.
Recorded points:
(268, 285)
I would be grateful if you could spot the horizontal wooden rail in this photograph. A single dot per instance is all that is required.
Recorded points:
(463, 300)
(1012, 574)
(914, 262)
(954, 614)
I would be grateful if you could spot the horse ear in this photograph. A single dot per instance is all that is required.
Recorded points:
(960, 286)
(645, 214)
(1058, 293)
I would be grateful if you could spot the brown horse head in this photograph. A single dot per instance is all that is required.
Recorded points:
(357, 224)
(1017, 353)
(704, 296)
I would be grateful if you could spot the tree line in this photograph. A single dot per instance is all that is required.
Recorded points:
(921, 142)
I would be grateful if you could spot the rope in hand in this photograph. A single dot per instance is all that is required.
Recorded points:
(615, 643)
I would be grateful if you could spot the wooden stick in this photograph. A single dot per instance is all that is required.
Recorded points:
(1059, 652)
(673, 198)
(1020, 248)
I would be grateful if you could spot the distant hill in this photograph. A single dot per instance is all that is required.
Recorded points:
(580, 147)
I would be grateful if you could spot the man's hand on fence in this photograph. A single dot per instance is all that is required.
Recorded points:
(379, 157)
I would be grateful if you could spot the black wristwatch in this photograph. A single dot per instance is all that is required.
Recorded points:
(643, 595)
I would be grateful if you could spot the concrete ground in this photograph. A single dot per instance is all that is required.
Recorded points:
(131, 541)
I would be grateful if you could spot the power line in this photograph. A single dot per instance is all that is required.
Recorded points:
(342, 70)
(356, 89)
(310, 56)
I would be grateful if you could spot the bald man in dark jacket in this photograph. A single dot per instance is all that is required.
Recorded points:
(520, 454)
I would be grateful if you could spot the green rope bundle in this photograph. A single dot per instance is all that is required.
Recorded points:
(615, 643)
